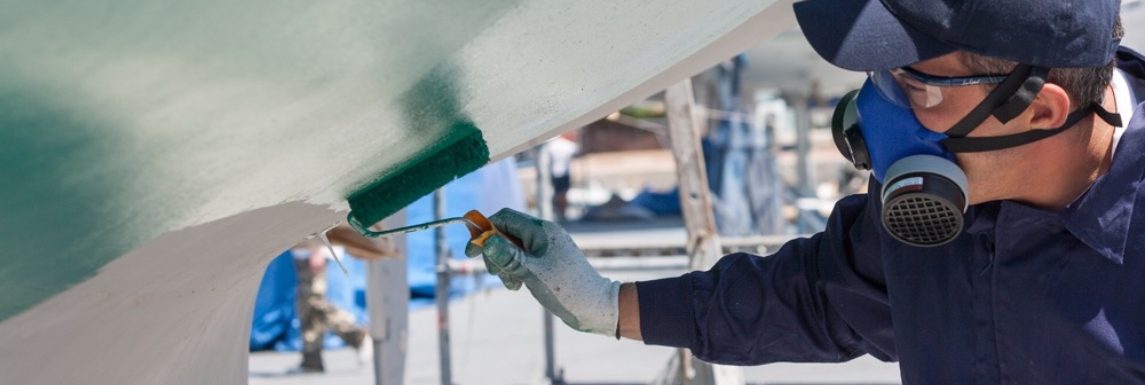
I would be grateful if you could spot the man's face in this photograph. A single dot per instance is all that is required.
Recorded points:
(992, 174)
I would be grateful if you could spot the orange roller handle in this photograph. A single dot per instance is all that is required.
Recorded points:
(479, 236)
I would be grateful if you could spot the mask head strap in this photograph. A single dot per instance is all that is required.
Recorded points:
(1006, 101)
(993, 143)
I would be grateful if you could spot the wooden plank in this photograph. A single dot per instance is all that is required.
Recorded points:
(684, 129)
(695, 198)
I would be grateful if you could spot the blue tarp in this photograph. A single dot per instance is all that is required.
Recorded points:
(661, 203)
(741, 168)
(489, 189)
(275, 325)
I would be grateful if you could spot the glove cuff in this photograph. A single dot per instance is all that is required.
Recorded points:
(604, 322)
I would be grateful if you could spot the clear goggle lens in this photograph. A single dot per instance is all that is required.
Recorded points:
(909, 88)
(896, 86)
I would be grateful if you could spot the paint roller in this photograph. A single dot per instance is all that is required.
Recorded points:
(414, 179)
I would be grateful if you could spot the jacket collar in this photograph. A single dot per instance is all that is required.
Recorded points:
(1100, 217)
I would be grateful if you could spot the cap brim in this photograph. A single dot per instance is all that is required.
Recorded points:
(862, 35)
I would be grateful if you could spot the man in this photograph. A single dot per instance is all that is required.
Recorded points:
(1041, 281)
(561, 151)
(316, 314)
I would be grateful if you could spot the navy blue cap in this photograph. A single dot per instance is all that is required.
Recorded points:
(868, 35)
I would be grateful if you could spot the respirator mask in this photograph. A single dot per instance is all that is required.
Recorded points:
(924, 191)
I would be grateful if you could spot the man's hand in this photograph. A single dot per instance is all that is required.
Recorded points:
(553, 269)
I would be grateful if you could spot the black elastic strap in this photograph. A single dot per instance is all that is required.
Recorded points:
(994, 143)
(1024, 97)
(1113, 118)
(1006, 101)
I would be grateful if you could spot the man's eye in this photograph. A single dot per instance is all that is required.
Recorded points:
(910, 84)
(913, 89)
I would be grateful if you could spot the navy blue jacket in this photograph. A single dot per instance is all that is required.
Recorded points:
(1023, 296)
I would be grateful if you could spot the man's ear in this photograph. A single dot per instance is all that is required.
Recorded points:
(1050, 108)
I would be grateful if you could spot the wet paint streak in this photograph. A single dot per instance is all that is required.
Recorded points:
(54, 212)
(433, 105)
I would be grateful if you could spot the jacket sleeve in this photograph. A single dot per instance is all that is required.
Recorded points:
(818, 299)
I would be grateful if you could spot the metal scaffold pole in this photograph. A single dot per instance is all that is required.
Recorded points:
(545, 211)
(441, 290)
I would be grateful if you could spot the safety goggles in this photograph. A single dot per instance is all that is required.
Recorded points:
(909, 88)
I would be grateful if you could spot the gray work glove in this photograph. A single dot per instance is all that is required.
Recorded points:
(554, 270)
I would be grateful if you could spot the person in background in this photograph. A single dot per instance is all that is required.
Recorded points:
(561, 151)
(315, 313)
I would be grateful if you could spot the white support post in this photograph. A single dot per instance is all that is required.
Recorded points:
(387, 303)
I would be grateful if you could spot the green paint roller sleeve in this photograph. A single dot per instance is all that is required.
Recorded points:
(414, 179)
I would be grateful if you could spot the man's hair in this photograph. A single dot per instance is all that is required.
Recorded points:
(1084, 85)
